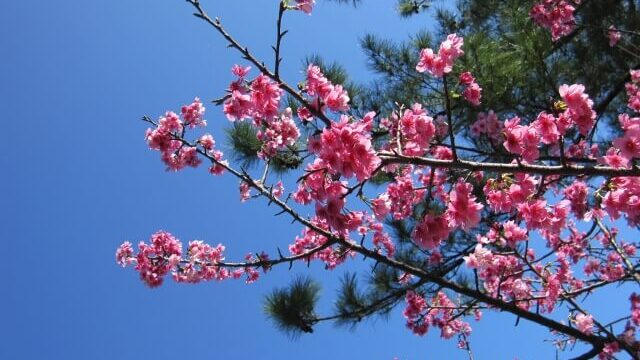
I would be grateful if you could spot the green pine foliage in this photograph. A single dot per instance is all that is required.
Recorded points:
(292, 308)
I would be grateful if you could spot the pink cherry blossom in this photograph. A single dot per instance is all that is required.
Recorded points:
(614, 36)
(305, 5)
(473, 94)
(441, 63)
(462, 210)
(431, 231)
(584, 323)
(346, 149)
(555, 15)
(335, 97)
(192, 114)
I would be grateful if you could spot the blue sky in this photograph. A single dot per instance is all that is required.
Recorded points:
(76, 77)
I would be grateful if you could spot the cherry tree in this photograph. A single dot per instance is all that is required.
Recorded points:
(529, 229)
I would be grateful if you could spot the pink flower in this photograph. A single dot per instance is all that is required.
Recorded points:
(534, 213)
(580, 107)
(157, 259)
(305, 5)
(546, 126)
(629, 145)
(473, 93)
(442, 63)
(577, 193)
(124, 254)
(584, 323)
(277, 134)
(635, 309)
(417, 129)
(381, 206)
(382, 240)
(432, 63)
(192, 114)
(488, 123)
(462, 210)
(613, 159)
(207, 142)
(556, 16)
(521, 139)
(278, 189)
(466, 78)
(265, 97)
(431, 231)
(614, 36)
(240, 71)
(238, 106)
(335, 97)
(345, 148)
(245, 191)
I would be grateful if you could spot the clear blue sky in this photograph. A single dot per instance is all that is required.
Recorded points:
(75, 78)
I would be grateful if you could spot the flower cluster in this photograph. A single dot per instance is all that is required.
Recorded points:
(402, 195)
(310, 240)
(431, 231)
(521, 139)
(623, 197)
(258, 99)
(164, 138)
(524, 140)
(502, 275)
(345, 148)
(417, 130)
(193, 113)
(462, 209)
(488, 124)
(580, 107)
(176, 153)
(614, 36)
(472, 92)
(202, 262)
(633, 91)
(441, 63)
(433, 186)
(556, 16)
(441, 313)
(277, 134)
(335, 97)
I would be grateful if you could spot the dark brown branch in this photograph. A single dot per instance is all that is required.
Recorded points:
(475, 294)
(279, 36)
(449, 119)
(568, 170)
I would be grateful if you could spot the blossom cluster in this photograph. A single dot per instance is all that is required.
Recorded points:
(441, 63)
(556, 16)
(524, 140)
(633, 91)
(201, 262)
(472, 92)
(334, 97)
(441, 313)
(177, 154)
(277, 134)
(345, 148)
(258, 99)
(614, 36)
(487, 123)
